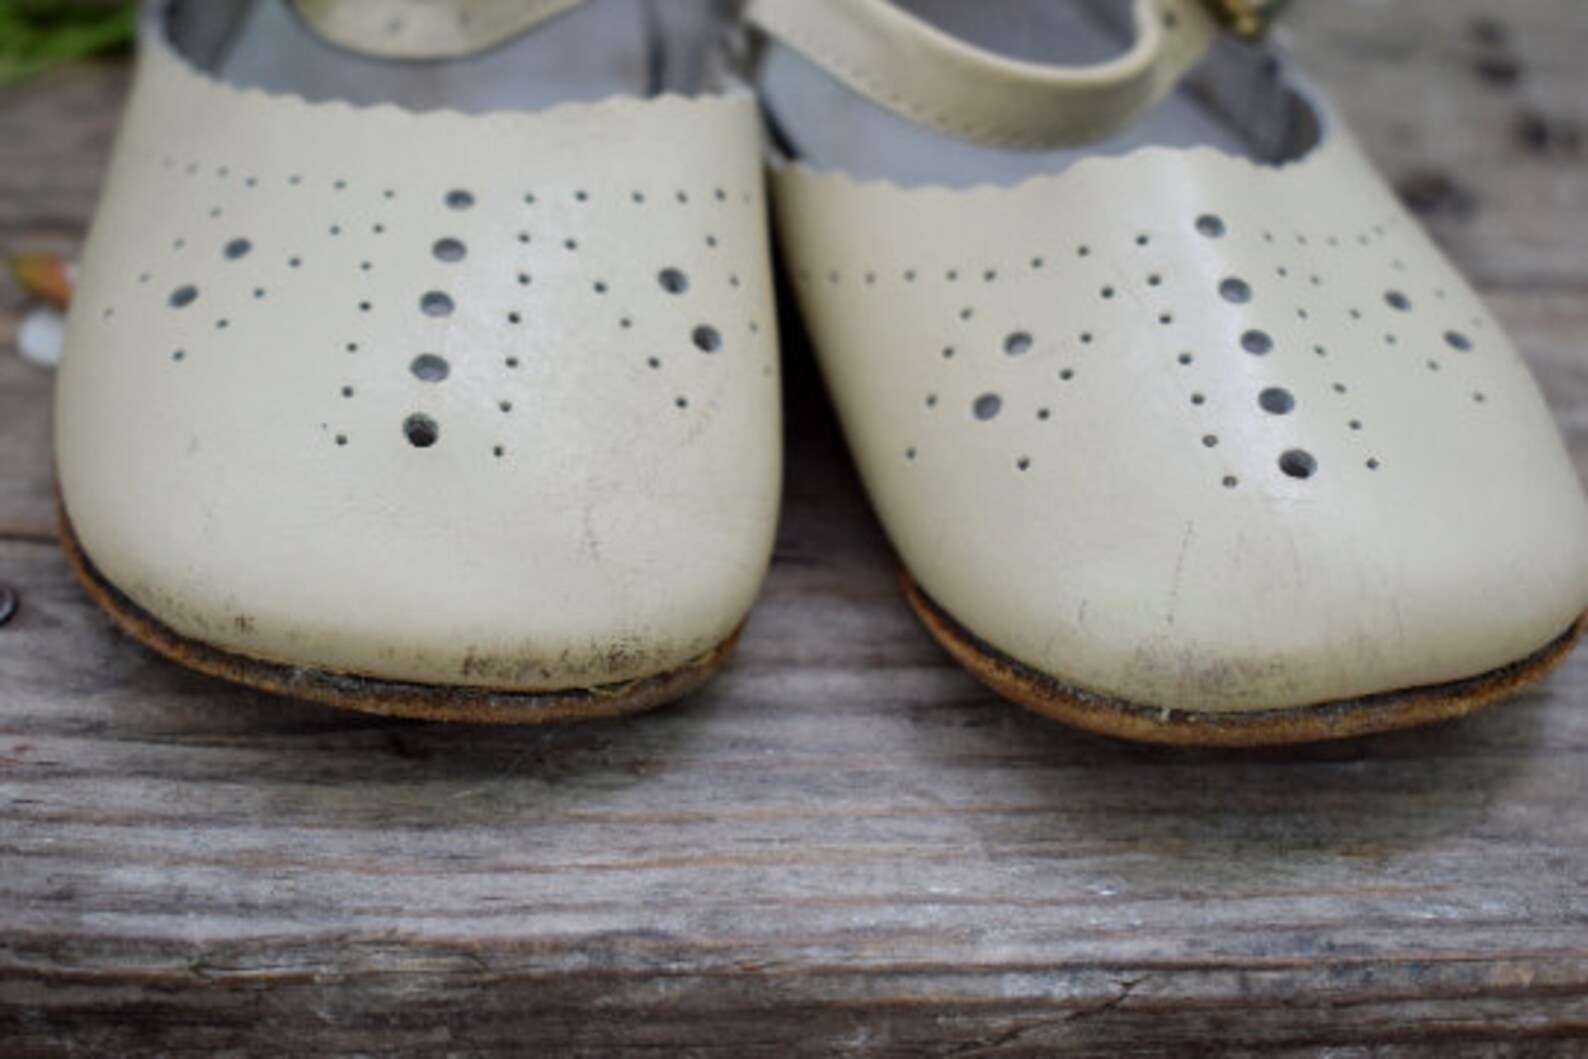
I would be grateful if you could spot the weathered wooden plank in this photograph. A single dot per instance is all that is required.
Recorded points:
(1411, 77)
(55, 133)
(26, 499)
(861, 837)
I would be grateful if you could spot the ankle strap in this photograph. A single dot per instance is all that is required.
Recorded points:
(425, 29)
(921, 73)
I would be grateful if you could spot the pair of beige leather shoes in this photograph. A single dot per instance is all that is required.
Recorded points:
(425, 361)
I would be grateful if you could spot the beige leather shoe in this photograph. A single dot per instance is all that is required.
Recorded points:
(424, 359)
(1188, 434)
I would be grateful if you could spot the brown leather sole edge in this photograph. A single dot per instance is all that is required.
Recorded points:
(430, 702)
(1344, 719)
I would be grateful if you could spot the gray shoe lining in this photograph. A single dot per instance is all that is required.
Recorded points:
(600, 49)
(1237, 101)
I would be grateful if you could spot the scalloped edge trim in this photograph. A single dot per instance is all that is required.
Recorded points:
(1334, 138)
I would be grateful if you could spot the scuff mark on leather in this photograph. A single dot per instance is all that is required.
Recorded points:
(588, 666)
(1200, 678)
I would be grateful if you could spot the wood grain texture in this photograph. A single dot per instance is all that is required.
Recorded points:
(844, 845)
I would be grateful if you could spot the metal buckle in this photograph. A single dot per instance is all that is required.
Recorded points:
(1249, 19)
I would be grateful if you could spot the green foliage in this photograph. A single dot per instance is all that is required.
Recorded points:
(36, 34)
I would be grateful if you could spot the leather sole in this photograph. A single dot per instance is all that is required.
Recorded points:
(1342, 719)
(431, 702)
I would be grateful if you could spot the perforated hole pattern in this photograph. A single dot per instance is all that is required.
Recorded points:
(484, 257)
(1256, 329)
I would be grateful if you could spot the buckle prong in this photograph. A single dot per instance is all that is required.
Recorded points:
(1249, 19)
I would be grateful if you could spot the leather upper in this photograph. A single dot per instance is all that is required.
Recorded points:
(1189, 430)
(429, 397)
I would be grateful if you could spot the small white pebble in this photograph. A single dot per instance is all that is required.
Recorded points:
(41, 336)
